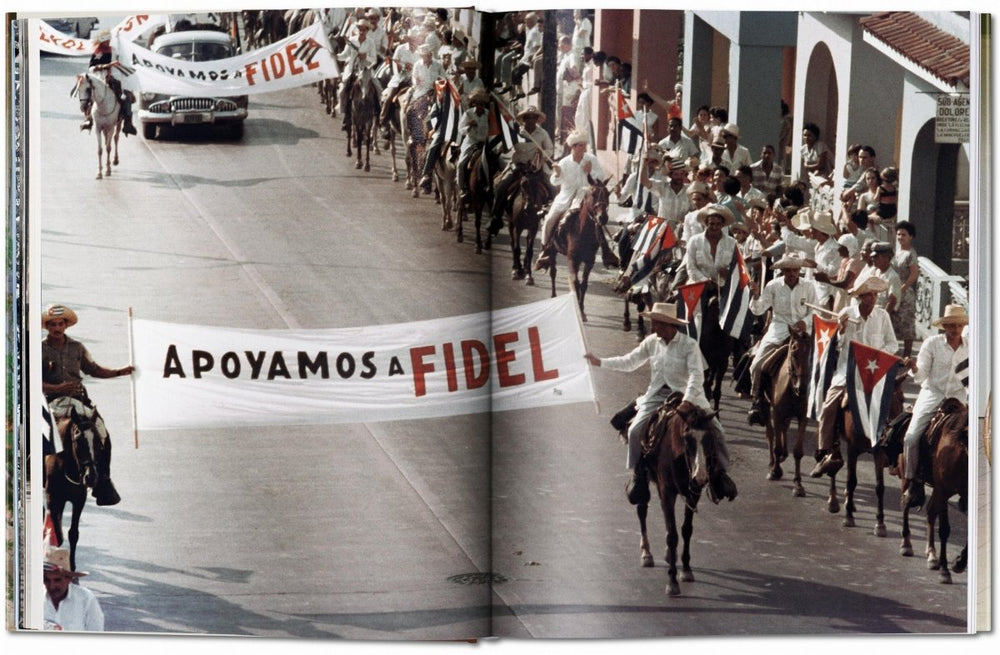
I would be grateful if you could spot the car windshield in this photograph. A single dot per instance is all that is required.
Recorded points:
(197, 51)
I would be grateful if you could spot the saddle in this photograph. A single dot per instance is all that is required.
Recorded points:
(653, 438)
(894, 434)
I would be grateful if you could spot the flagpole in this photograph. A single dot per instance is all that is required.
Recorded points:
(617, 135)
(131, 377)
(586, 349)
(827, 311)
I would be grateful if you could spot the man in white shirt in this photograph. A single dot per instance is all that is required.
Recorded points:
(734, 155)
(937, 370)
(822, 250)
(473, 128)
(767, 175)
(359, 52)
(787, 296)
(675, 364)
(570, 175)
(676, 144)
(868, 324)
(532, 152)
(68, 605)
(532, 47)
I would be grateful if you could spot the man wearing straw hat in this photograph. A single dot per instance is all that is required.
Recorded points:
(675, 364)
(941, 370)
(531, 153)
(870, 325)
(710, 252)
(64, 361)
(405, 56)
(788, 297)
(103, 60)
(821, 247)
(68, 605)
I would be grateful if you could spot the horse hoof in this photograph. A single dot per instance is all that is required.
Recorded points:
(880, 530)
(368, 168)
(416, 192)
(945, 577)
(479, 250)
(906, 550)
(395, 178)
(530, 282)
(409, 185)
(583, 317)
(798, 491)
(673, 589)
(100, 176)
(933, 564)
(775, 474)
(517, 274)
(357, 165)
(849, 521)
(833, 506)
(646, 561)
(687, 575)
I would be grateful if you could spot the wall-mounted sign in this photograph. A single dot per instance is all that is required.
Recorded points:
(952, 119)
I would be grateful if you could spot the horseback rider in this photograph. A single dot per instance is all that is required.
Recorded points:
(103, 60)
(64, 360)
(675, 364)
(786, 296)
(710, 252)
(572, 175)
(359, 51)
(941, 370)
(405, 56)
(868, 324)
(467, 81)
(642, 202)
(426, 72)
(533, 149)
(474, 129)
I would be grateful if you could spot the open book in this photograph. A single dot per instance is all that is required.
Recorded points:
(347, 422)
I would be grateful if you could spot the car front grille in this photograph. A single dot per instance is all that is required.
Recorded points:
(192, 104)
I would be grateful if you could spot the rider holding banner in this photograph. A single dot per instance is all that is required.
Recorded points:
(103, 60)
(64, 361)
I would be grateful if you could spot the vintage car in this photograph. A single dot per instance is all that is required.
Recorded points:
(157, 109)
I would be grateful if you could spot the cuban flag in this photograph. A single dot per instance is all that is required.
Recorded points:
(962, 371)
(735, 317)
(48, 430)
(502, 131)
(449, 110)
(824, 359)
(653, 239)
(629, 128)
(690, 296)
(871, 381)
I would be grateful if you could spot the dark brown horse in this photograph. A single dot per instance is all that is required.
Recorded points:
(671, 446)
(69, 473)
(945, 445)
(579, 240)
(480, 198)
(364, 99)
(715, 344)
(530, 195)
(787, 393)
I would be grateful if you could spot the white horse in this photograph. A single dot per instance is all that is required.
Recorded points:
(105, 113)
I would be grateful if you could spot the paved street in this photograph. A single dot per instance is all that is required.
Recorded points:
(383, 530)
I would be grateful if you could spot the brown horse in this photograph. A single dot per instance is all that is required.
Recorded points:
(364, 99)
(857, 445)
(578, 238)
(715, 344)
(671, 445)
(787, 393)
(69, 473)
(444, 177)
(946, 445)
(480, 198)
(528, 198)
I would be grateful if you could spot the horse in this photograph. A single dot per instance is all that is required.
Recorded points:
(714, 343)
(856, 445)
(394, 125)
(787, 394)
(947, 442)
(105, 112)
(69, 473)
(578, 239)
(670, 447)
(526, 204)
(444, 175)
(480, 198)
(364, 99)
(415, 118)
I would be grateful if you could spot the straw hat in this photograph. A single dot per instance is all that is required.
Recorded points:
(58, 311)
(445, 51)
(869, 284)
(414, 33)
(716, 210)
(677, 165)
(739, 225)
(479, 97)
(850, 242)
(757, 201)
(697, 187)
(470, 64)
(102, 36)
(576, 138)
(533, 111)
(665, 312)
(881, 248)
(365, 23)
(731, 128)
(57, 559)
(424, 50)
(793, 260)
(823, 222)
(953, 314)
(802, 220)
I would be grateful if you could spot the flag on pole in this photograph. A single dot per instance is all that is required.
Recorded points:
(49, 537)
(824, 358)
(690, 295)
(735, 317)
(629, 127)
(654, 238)
(501, 131)
(871, 381)
(962, 371)
(449, 110)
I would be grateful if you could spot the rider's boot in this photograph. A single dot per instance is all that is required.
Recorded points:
(757, 414)
(829, 463)
(104, 490)
(87, 124)
(637, 486)
(913, 494)
(128, 127)
(608, 256)
(545, 258)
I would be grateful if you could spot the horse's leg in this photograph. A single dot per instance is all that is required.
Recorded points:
(774, 466)
(78, 502)
(480, 245)
(800, 435)
(667, 504)
(934, 511)
(368, 147)
(552, 274)
(905, 547)
(517, 272)
(958, 566)
(118, 132)
(100, 148)
(687, 530)
(879, 461)
(582, 289)
(529, 252)
(645, 555)
(852, 484)
(359, 139)
(626, 318)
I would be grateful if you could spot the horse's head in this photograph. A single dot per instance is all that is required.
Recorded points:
(799, 354)
(82, 440)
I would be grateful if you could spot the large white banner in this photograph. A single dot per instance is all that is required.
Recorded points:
(192, 376)
(302, 58)
(52, 40)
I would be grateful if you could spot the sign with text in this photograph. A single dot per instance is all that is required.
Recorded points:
(951, 123)
(132, 27)
(192, 376)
